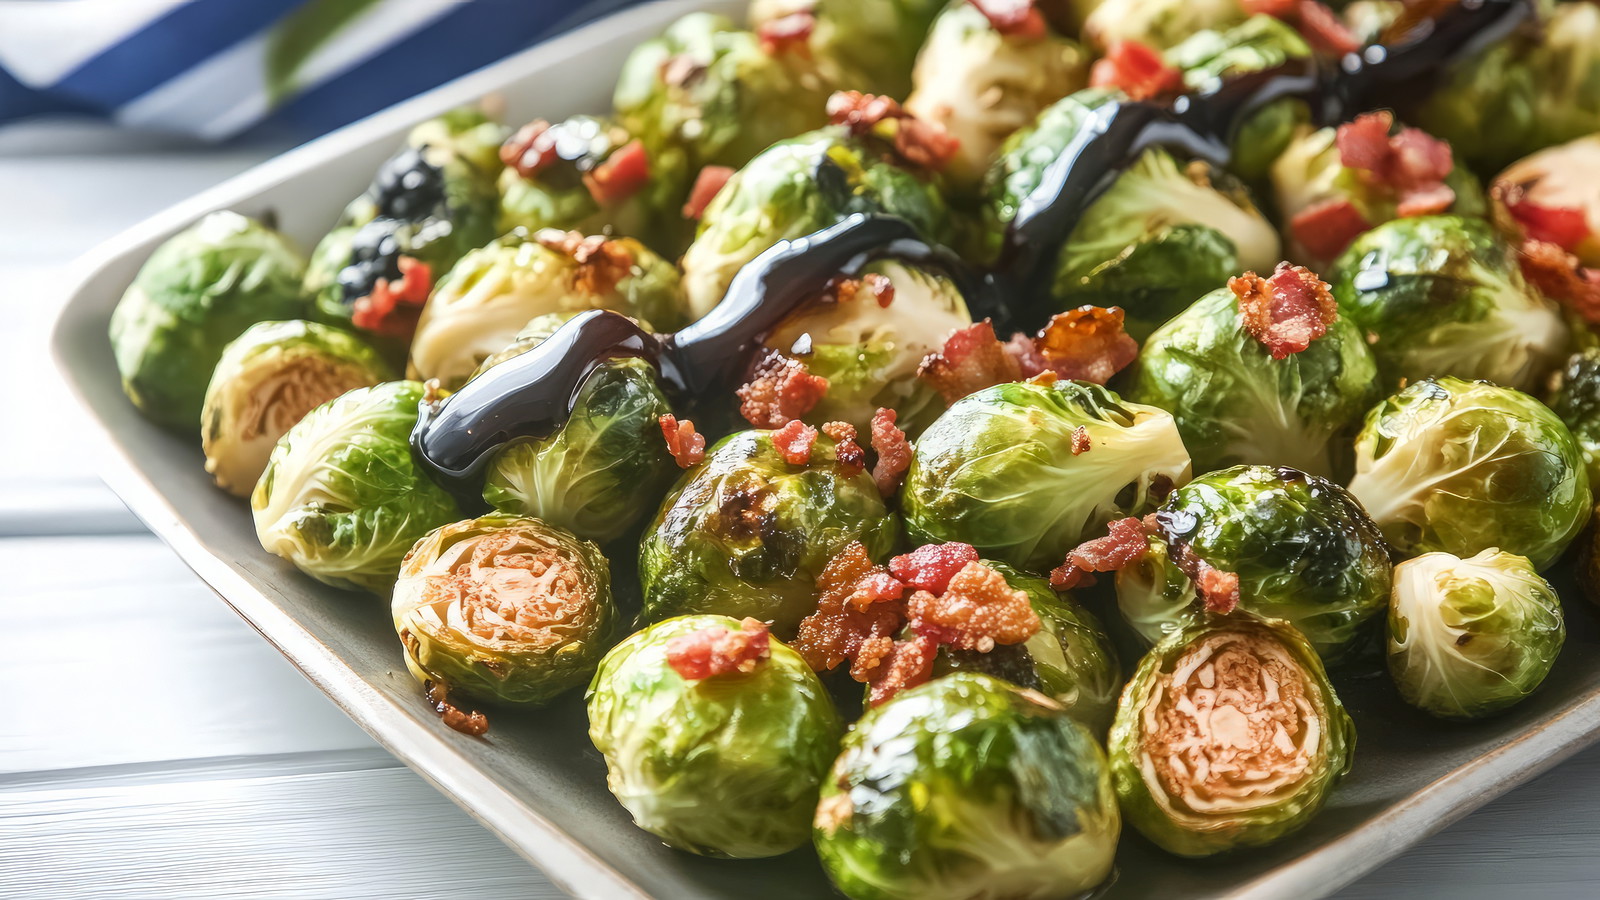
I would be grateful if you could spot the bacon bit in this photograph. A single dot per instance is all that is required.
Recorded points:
(881, 288)
(794, 442)
(620, 176)
(931, 566)
(1086, 344)
(844, 622)
(1278, 9)
(1326, 228)
(1030, 362)
(972, 359)
(530, 149)
(1411, 164)
(1561, 277)
(686, 445)
(1564, 226)
(779, 391)
(905, 664)
(602, 262)
(1219, 589)
(852, 459)
(788, 34)
(1125, 543)
(840, 289)
(1322, 28)
(978, 610)
(706, 187)
(894, 451)
(1286, 312)
(923, 144)
(1426, 201)
(392, 309)
(1081, 443)
(1137, 69)
(718, 650)
(473, 723)
(878, 587)
(1013, 18)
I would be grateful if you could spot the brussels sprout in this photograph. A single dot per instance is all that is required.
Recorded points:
(557, 194)
(869, 352)
(1471, 637)
(965, 788)
(1522, 94)
(493, 291)
(1461, 467)
(1070, 659)
(196, 292)
(267, 380)
(598, 473)
(341, 497)
(430, 203)
(1565, 178)
(1235, 404)
(1575, 398)
(862, 45)
(998, 470)
(791, 189)
(746, 533)
(982, 84)
(1443, 295)
(1158, 23)
(728, 765)
(1154, 598)
(1162, 235)
(1301, 546)
(1201, 770)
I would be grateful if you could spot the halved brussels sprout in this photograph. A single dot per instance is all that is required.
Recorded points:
(1162, 235)
(556, 192)
(1228, 736)
(1005, 469)
(791, 189)
(1471, 637)
(1443, 295)
(982, 84)
(1574, 396)
(196, 292)
(604, 467)
(1070, 659)
(1462, 466)
(726, 765)
(341, 497)
(1301, 546)
(267, 380)
(964, 788)
(1564, 180)
(745, 533)
(504, 609)
(861, 45)
(1234, 403)
(1530, 91)
(492, 292)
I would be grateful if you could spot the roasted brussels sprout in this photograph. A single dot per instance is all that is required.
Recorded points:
(1522, 94)
(1443, 295)
(1462, 466)
(492, 292)
(963, 788)
(982, 84)
(1157, 23)
(196, 292)
(746, 533)
(1070, 659)
(428, 205)
(1201, 769)
(553, 180)
(1574, 397)
(716, 736)
(1554, 195)
(267, 380)
(1162, 235)
(1471, 637)
(600, 471)
(504, 609)
(1235, 403)
(863, 45)
(791, 189)
(341, 497)
(1154, 598)
(1005, 469)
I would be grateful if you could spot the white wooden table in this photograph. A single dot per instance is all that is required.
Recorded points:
(155, 746)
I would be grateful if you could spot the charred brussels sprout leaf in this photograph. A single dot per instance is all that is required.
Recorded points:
(341, 497)
(726, 766)
(1442, 295)
(504, 609)
(267, 380)
(998, 470)
(1235, 404)
(1575, 398)
(1471, 637)
(863, 45)
(1302, 547)
(1201, 769)
(963, 788)
(1465, 466)
(196, 292)
(745, 533)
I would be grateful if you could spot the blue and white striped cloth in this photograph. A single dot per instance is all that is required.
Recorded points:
(217, 68)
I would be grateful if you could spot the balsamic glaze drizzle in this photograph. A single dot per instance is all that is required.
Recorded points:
(533, 394)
